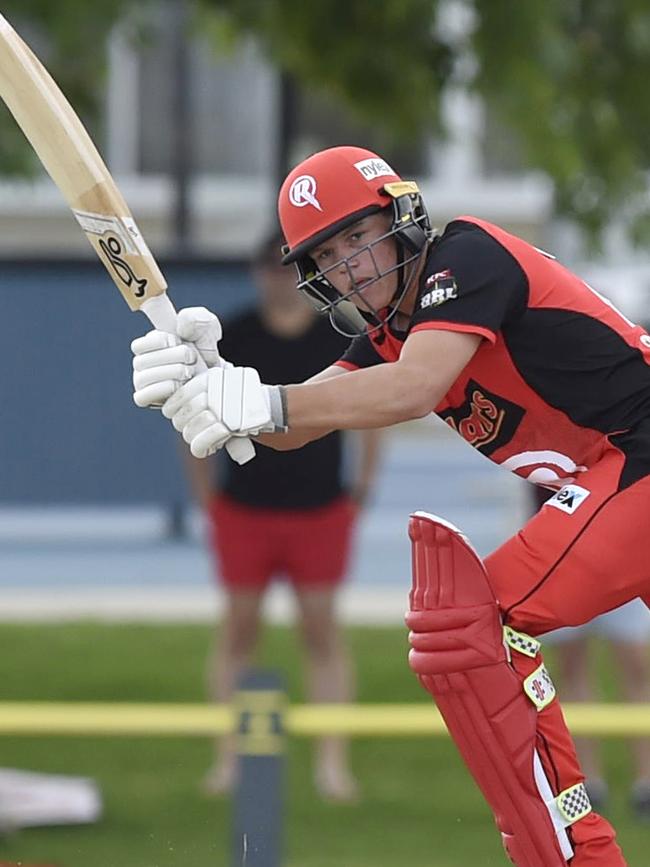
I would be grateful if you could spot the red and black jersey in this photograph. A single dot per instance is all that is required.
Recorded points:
(560, 371)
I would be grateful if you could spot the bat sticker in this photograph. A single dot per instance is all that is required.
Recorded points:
(98, 224)
(112, 249)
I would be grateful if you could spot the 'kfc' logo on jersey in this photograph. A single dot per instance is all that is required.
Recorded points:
(442, 287)
(303, 192)
(485, 420)
(569, 498)
(373, 168)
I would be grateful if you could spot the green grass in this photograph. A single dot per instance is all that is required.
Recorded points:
(419, 805)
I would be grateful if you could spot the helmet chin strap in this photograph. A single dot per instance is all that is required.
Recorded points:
(400, 273)
(347, 319)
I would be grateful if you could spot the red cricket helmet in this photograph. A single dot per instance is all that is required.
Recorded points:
(330, 191)
(327, 192)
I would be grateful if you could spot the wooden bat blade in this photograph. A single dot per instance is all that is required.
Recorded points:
(71, 159)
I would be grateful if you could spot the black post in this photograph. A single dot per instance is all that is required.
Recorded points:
(259, 797)
(288, 108)
(176, 530)
(181, 126)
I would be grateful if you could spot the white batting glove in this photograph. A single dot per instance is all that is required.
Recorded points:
(197, 325)
(161, 364)
(225, 402)
(162, 361)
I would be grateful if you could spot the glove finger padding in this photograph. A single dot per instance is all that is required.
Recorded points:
(176, 373)
(155, 394)
(187, 412)
(200, 326)
(215, 437)
(181, 354)
(199, 423)
(161, 364)
(153, 341)
(196, 386)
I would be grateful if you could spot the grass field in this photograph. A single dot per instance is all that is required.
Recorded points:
(419, 806)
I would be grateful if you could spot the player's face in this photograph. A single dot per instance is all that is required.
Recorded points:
(357, 256)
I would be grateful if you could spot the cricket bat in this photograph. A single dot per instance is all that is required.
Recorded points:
(72, 161)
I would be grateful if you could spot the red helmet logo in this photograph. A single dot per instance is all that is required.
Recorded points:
(303, 192)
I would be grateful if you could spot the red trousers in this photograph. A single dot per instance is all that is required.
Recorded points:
(566, 566)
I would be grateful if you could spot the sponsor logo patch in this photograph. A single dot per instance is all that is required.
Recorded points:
(486, 420)
(568, 498)
(303, 192)
(373, 168)
(441, 287)
(539, 688)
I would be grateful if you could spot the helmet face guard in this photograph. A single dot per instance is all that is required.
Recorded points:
(411, 231)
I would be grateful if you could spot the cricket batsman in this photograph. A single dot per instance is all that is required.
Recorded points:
(534, 369)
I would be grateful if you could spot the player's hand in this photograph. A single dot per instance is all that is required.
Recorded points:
(223, 401)
(162, 362)
(200, 327)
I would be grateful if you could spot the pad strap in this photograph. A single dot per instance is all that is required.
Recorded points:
(521, 642)
(538, 686)
(573, 804)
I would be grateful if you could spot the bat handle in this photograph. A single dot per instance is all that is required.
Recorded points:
(161, 313)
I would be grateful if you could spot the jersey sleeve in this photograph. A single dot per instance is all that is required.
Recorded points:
(471, 283)
(360, 353)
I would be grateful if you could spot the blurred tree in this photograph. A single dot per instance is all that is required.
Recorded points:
(70, 37)
(384, 60)
(565, 78)
(569, 77)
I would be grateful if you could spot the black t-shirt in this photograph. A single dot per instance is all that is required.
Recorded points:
(560, 372)
(303, 478)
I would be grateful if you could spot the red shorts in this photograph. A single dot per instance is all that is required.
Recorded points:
(307, 546)
(585, 552)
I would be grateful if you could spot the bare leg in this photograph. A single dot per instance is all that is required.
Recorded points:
(633, 666)
(231, 654)
(329, 678)
(575, 684)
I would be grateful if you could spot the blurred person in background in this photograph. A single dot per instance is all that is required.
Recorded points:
(285, 515)
(626, 631)
(530, 366)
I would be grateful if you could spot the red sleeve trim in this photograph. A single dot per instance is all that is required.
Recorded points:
(463, 327)
(346, 364)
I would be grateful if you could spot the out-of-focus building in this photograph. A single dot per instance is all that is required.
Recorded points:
(231, 153)
(105, 453)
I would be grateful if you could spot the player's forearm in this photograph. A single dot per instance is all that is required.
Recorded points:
(371, 398)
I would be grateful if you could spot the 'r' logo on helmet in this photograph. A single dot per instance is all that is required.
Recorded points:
(303, 192)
